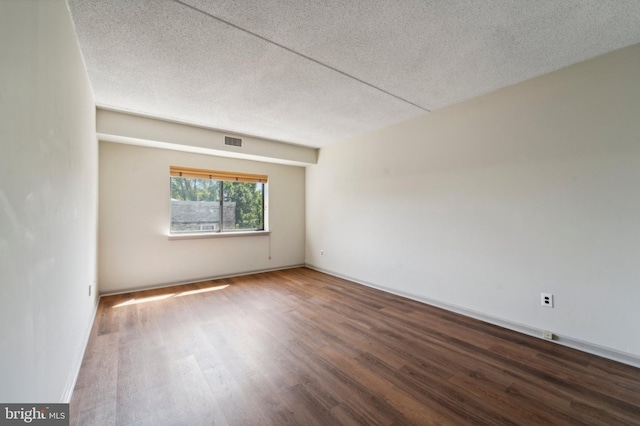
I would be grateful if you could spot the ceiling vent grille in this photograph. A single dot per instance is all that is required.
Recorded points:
(228, 140)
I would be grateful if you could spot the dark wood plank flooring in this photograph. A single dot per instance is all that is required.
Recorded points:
(304, 348)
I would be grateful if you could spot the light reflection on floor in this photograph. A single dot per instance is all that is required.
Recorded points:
(166, 296)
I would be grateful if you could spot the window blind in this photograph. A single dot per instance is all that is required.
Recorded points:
(187, 172)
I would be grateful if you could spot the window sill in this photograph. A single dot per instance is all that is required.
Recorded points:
(218, 235)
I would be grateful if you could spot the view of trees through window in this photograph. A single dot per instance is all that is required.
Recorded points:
(195, 205)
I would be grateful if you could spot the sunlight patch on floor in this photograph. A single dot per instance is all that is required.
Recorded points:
(201, 290)
(166, 296)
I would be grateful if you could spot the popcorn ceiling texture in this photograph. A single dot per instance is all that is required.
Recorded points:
(316, 72)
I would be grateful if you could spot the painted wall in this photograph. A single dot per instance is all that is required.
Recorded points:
(48, 202)
(134, 248)
(484, 205)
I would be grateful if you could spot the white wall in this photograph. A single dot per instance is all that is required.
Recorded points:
(48, 195)
(484, 205)
(134, 249)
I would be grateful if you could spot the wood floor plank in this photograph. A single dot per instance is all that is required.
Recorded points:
(298, 347)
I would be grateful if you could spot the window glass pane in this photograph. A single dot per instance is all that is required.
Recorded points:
(243, 205)
(195, 205)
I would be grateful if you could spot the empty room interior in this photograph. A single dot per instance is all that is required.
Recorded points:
(335, 212)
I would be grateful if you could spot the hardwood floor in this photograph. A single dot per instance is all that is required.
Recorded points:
(304, 348)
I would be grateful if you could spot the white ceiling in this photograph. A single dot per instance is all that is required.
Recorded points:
(316, 72)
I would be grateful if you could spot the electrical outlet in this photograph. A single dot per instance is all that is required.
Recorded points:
(321, 252)
(547, 335)
(90, 285)
(546, 299)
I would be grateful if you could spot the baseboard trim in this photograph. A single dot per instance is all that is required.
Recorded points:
(568, 341)
(218, 277)
(75, 371)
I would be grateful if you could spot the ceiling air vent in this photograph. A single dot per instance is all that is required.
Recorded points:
(228, 140)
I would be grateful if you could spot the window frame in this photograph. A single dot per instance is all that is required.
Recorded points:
(222, 177)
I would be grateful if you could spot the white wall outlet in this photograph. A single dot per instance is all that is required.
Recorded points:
(90, 285)
(547, 335)
(321, 252)
(547, 300)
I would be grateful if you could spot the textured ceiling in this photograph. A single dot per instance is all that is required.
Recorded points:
(316, 72)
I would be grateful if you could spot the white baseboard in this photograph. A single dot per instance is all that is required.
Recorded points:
(75, 370)
(568, 341)
(218, 277)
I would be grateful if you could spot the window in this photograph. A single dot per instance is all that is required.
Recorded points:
(210, 201)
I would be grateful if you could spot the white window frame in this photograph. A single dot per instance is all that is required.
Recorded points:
(221, 176)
